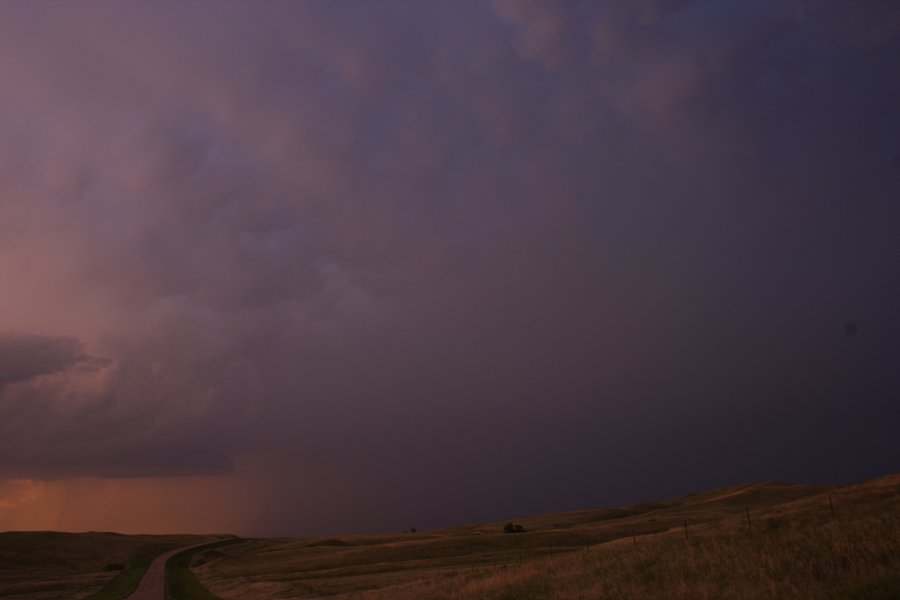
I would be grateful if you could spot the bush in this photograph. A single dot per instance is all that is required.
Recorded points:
(513, 528)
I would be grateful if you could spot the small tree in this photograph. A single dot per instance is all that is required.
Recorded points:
(513, 528)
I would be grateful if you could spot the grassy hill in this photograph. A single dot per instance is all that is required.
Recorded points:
(766, 540)
(40, 565)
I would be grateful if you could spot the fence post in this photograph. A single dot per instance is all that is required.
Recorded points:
(748, 518)
(831, 504)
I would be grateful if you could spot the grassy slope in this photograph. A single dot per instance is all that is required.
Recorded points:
(181, 584)
(792, 549)
(127, 580)
(45, 565)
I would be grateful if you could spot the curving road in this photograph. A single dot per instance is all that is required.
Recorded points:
(153, 584)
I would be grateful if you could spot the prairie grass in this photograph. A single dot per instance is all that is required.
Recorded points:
(181, 584)
(792, 548)
(44, 565)
(128, 578)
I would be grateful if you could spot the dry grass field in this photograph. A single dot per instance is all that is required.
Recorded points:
(697, 546)
(768, 540)
(48, 565)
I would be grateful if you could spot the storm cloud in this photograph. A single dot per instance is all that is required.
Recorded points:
(25, 357)
(449, 261)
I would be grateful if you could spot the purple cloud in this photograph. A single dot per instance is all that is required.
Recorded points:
(457, 246)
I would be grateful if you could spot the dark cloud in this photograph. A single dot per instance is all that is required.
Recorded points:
(451, 260)
(144, 414)
(26, 356)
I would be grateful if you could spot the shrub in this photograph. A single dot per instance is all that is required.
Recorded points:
(513, 528)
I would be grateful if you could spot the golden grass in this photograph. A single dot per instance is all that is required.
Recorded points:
(43, 565)
(792, 549)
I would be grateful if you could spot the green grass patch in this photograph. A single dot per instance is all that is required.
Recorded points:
(127, 580)
(181, 584)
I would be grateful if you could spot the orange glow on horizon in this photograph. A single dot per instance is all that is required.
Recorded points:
(211, 504)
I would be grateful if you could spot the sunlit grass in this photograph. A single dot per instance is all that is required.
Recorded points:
(792, 548)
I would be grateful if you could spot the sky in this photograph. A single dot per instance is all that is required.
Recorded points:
(309, 267)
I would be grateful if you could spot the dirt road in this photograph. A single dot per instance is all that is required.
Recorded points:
(153, 585)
